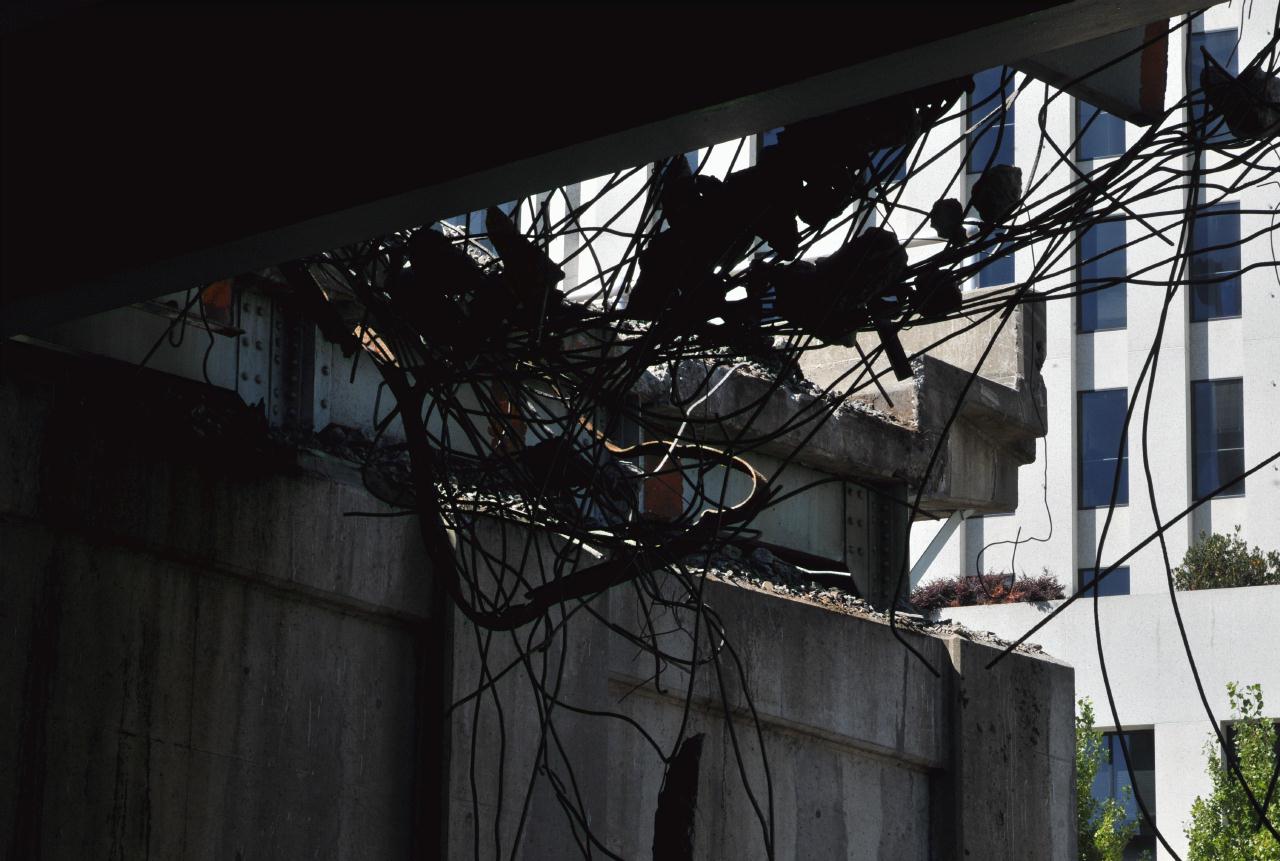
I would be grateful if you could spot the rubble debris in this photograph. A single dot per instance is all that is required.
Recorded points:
(833, 297)
(997, 193)
(763, 571)
(947, 218)
(936, 293)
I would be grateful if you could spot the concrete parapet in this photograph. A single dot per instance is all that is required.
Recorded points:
(889, 438)
(214, 662)
(866, 753)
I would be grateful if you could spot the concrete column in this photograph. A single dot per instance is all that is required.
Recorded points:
(1009, 791)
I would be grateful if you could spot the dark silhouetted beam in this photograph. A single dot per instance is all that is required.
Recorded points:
(150, 148)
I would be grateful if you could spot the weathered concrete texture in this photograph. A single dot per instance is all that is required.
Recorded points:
(855, 441)
(1013, 361)
(853, 727)
(489, 782)
(168, 713)
(994, 433)
(868, 754)
(210, 661)
(200, 664)
(999, 415)
(1012, 774)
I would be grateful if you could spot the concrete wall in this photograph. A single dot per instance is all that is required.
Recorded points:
(868, 754)
(1231, 635)
(202, 661)
(214, 663)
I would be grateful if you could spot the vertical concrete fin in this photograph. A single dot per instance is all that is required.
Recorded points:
(1012, 757)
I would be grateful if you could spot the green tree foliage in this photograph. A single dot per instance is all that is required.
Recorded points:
(1219, 561)
(1225, 826)
(1100, 825)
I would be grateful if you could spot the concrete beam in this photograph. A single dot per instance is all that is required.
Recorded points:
(1132, 89)
(165, 166)
(179, 629)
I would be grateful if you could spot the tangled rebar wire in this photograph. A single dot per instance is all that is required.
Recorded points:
(514, 354)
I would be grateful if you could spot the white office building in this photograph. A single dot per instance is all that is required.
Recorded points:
(1214, 412)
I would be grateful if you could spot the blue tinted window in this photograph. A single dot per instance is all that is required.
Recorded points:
(997, 264)
(1215, 263)
(1217, 436)
(996, 134)
(1101, 133)
(1115, 583)
(1102, 272)
(692, 158)
(1112, 781)
(471, 222)
(1101, 421)
(475, 222)
(1221, 45)
(768, 304)
(770, 138)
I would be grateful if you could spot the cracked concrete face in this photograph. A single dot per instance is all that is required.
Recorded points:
(890, 437)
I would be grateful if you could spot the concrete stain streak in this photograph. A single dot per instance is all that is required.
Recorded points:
(37, 689)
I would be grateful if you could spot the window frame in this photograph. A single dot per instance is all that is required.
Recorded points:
(1196, 281)
(1229, 734)
(881, 157)
(1008, 256)
(1197, 104)
(765, 139)
(1122, 495)
(1121, 285)
(1117, 771)
(1237, 489)
(1085, 125)
(1109, 583)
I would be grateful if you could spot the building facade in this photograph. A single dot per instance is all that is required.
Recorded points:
(1214, 406)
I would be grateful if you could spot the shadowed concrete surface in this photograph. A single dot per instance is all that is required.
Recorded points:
(210, 661)
(207, 667)
(251, 106)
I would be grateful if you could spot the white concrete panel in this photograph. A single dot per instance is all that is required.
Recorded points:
(1217, 349)
(1089, 528)
(1100, 360)
(1180, 775)
(619, 208)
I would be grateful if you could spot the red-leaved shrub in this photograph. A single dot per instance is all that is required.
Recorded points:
(966, 590)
